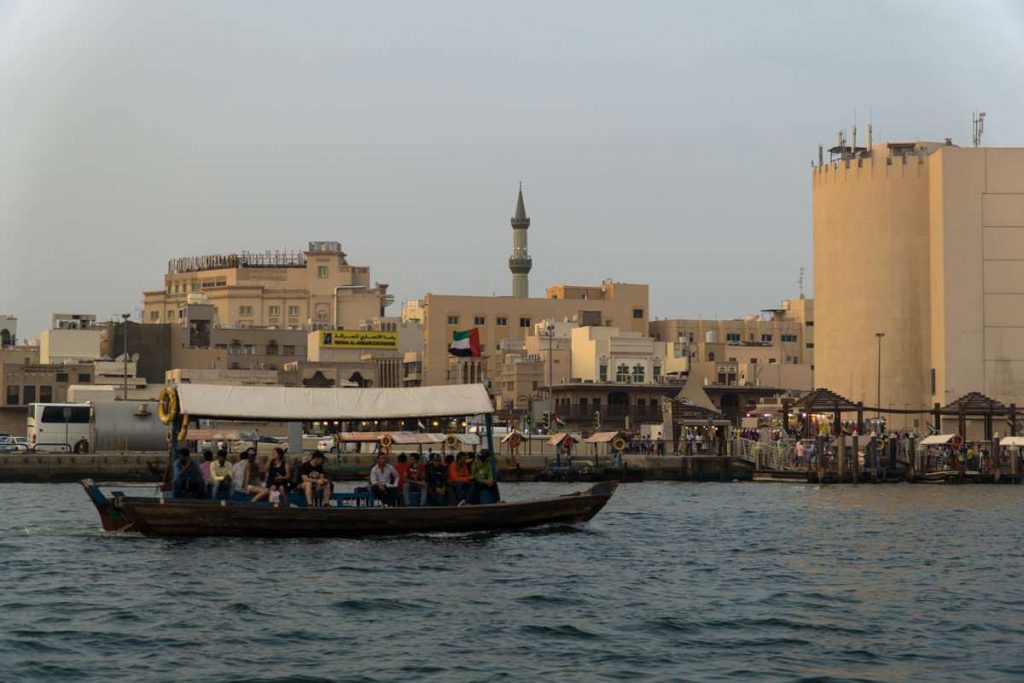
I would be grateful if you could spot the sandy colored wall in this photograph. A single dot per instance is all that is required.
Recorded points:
(871, 273)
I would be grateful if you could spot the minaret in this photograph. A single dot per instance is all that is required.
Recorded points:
(520, 262)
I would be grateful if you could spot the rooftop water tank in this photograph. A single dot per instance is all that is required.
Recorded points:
(711, 337)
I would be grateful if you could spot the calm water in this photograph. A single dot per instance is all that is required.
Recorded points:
(671, 582)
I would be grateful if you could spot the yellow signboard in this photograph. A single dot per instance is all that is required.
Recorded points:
(358, 339)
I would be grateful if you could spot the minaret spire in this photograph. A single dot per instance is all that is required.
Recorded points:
(520, 262)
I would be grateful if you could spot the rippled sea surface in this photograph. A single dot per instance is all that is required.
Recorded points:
(670, 582)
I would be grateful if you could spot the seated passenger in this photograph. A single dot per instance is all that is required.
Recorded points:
(437, 480)
(220, 475)
(415, 479)
(315, 481)
(204, 466)
(458, 480)
(401, 466)
(483, 478)
(384, 481)
(245, 476)
(187, 480)
(276, 482)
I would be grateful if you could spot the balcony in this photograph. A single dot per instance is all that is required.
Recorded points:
(520, 264)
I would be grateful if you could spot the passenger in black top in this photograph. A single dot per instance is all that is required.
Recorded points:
(437, 481)
(278, 477)
(314, 480)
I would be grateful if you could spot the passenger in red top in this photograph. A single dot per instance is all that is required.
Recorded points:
(458, 480)
(403, 467)
(415, 479)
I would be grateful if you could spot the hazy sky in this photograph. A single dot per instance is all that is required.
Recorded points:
(659, 142)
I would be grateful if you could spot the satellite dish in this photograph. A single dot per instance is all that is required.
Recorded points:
(135, 357)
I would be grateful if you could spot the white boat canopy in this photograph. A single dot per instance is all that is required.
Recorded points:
(1012, 441)
(299, 403)
(937, 439)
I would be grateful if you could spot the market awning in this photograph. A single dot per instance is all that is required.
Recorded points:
(404, 438)
(937, 439)
(302, 403)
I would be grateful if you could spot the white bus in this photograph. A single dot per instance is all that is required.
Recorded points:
(60, 427)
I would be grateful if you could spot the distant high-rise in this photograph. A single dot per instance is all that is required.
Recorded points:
(520, 262)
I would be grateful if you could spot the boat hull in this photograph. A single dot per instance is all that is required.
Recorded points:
(153, 517)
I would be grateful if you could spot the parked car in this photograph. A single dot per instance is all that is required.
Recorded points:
(13, 444)
(265, 445)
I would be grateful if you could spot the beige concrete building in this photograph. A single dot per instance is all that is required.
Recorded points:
(504, 317)
(924, 243)
(71, 338)
(316, 288)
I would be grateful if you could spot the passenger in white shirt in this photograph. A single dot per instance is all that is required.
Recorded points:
(384, 481)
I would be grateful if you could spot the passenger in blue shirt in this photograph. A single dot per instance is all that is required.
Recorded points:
(188, 479)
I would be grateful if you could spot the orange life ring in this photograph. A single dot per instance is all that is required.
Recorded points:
(183, 432)
(386, 441)
(451, 441)
(619, 444)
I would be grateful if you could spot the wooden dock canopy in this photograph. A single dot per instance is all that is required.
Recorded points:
(937, 439)
(560, 437)
(601, 437)
(302, 403)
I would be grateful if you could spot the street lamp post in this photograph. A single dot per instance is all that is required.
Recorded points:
(124, 323)
(878, 397)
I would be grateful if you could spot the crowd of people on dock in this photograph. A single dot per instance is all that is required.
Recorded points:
(458, 479)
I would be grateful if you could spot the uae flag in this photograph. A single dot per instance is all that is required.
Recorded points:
(465, 343)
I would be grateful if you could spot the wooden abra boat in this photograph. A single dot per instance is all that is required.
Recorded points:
(158, 516)
(164, 515)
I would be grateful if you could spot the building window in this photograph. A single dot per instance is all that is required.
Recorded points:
(289, 349)
(181, 312)
(501, 321)
(453, 320)
(789, 338)
(810, 345)
(524, 322)
(245, 310)
(273, 310)
(809, 323)
(479, 320)
(62, 377)
(12, 394)
(321, 271)
(28, 395)
(84, 377)
(766, 338)
(293, 311)
(622, 373)
(154, 316)
(656, 372)
(638, 373)
(732, 336)
(272, 348)
(46, 394)
(602, 373)
(638, 314)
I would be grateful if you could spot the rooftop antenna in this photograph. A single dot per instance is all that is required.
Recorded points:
(800, 281)
(978, 119)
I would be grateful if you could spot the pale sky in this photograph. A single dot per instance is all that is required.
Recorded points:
(660, 142)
